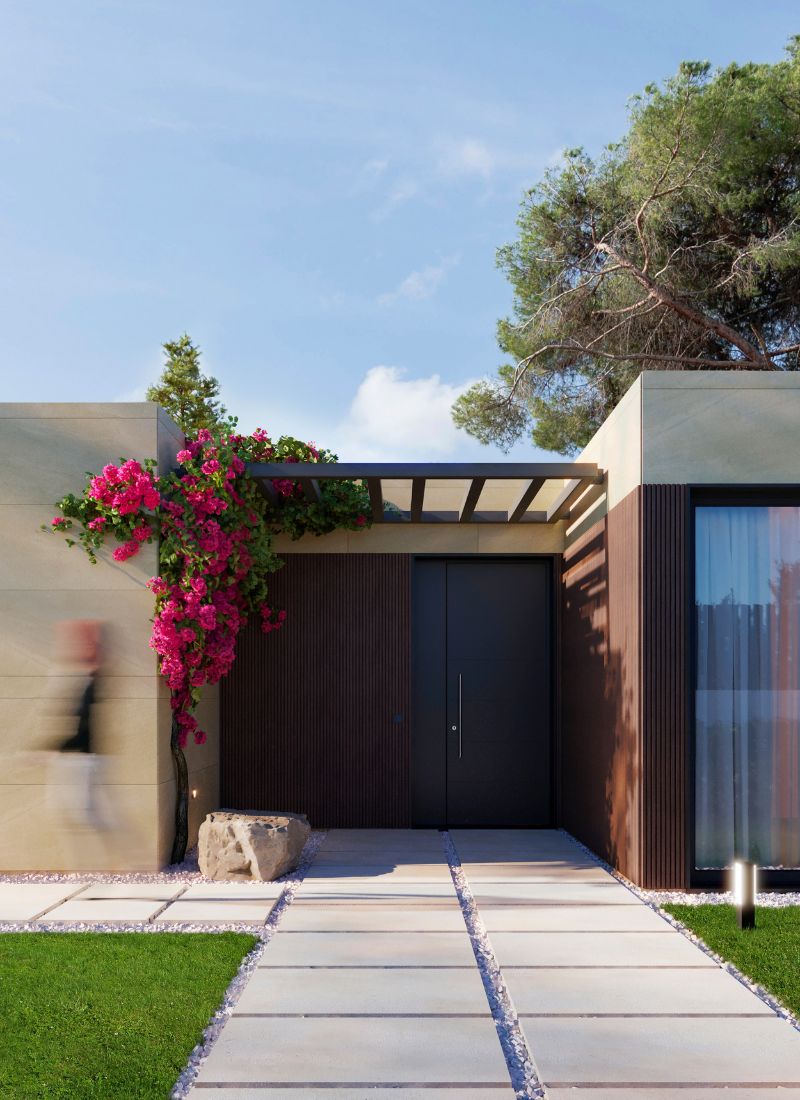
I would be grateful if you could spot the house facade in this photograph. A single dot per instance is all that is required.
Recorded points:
(609, 645)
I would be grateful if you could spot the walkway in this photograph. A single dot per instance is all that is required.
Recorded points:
(371, 981)
(370, 987)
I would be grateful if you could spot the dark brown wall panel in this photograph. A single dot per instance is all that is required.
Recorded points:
(664, 682)
(600, 754)
(315, 717)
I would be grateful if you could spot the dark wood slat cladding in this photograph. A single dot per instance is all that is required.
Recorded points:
(665, 643)
(315, 717)
(600, 748)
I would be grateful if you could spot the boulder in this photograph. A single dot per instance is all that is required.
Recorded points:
(260, 846)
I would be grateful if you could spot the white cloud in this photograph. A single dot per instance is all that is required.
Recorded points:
(419, 284)
(402, 191)
(396, 418)
(468, 157)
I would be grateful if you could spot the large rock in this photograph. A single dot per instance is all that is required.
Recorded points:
(260, 846)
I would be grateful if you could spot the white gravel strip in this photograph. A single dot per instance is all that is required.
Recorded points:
(250, 962)
(654, 899)
(515, 1049)
(187, 871)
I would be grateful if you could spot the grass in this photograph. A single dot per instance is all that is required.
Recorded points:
(90, 1015)
(768, 954)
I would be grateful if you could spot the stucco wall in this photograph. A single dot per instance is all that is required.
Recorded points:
(45, 451)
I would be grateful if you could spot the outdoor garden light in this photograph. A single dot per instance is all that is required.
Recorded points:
(744, 892)
(194, 792)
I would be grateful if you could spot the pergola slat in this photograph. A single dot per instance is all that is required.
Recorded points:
(417, 499)
(520, 507)
(560, 507)
(592, 494)
(474, 490)
(311, 489)
(376, 498)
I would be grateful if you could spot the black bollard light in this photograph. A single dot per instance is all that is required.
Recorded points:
(744, 892)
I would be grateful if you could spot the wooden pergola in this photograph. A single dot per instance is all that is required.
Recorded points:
(579, 485)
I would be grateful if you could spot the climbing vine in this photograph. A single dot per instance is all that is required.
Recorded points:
(215, 531)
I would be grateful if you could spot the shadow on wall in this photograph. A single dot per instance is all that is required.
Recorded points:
(68, 765)
(600, 754)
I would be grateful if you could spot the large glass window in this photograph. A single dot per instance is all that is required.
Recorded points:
(747, 741)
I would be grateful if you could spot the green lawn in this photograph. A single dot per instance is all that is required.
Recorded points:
(769, 954)
(111, 1015)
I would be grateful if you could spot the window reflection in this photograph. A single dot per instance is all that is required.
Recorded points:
(747, 759)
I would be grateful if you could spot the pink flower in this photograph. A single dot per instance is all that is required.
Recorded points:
(360, 521)
(199, 586)
(184, 456)
(97, 524)
(210, 467)
(204, 436)
(199, 737)
(59, 521)
(142, 532)
(207, 617)
(127, 550)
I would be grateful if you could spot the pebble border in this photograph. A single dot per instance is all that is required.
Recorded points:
(519, 1061)
(654, 899)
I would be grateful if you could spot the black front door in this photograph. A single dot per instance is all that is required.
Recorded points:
(481, 744)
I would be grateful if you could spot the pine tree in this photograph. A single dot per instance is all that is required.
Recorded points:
(184, 392)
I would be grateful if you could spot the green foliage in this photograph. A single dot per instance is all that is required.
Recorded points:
(769, 954)
(189, 396)
(98, 1015)
(677, 248)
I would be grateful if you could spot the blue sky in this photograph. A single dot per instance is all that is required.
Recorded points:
(313, 189)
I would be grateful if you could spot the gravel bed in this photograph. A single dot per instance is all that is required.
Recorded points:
(515, 1049)
(654, 899)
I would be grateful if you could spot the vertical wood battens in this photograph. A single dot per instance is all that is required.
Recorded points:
(665, 645)
(315, 717)
(600, 751)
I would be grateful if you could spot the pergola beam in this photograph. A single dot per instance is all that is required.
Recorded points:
(405, 471)
(375, 498)
(520, 506)
(311, 489)
(560, 507)
(417, 499)
(474, 490)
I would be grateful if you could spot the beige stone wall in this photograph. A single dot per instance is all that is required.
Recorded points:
(45, 451)
(433, 538)
(720, 427)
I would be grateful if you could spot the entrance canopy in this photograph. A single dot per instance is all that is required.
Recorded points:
(452, 492)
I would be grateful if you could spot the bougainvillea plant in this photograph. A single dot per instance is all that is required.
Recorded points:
(215, 530)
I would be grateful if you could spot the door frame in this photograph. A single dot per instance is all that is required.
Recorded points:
(554, 679)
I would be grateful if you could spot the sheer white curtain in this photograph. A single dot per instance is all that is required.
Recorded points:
(747, 758)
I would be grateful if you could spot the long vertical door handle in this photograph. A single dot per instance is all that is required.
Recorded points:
(459, 716)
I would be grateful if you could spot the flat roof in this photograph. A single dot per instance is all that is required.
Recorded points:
(451, 492)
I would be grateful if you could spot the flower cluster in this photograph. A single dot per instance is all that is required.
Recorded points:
(215, 531)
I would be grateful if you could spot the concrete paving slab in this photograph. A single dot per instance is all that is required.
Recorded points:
(377, 1051)
(369, 949)
(573, 918)
(374, 872)
(224, 901)
(505, 894)
(301, 917)
(688, 1053)
(116, 901)
(391, 857)
(550, 871)
(386, 889)
(631, 991)
(603, 949)
(20, 901)
(502, 1092)
(339, 992)
(234, 891)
